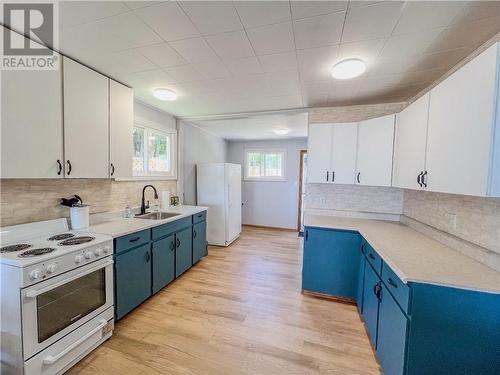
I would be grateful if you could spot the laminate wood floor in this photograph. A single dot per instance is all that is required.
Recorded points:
(239, 311)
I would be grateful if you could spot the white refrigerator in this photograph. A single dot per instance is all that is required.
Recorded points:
(219, 188)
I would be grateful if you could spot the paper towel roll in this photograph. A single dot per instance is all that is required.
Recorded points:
(165, 200)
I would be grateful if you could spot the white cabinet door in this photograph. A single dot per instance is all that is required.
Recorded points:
(319, 153)
(86, 130)
(32, 134)
(121, 122)
(410, 144)
(344, 153)
(375, 149)
(461, 116)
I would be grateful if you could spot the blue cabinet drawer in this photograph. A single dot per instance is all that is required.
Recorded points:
(172, 227)
(132, 240)
(373, 258)
(396, 287)
(199, 217)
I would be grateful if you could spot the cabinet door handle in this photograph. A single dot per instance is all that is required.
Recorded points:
(194, 233)
(172, 246)
(392, 283)
(357, 177)
(327, 176)
(148, 257)
(371, 256)
(59, 167)
(178, 242)
(69, 167)
(135, 239)
(112, 169)
(333, 176)
(424, 179)
(419, 179)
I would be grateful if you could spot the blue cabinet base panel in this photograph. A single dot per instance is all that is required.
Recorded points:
(414, 328)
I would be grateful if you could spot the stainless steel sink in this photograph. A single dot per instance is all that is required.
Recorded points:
(157, 215)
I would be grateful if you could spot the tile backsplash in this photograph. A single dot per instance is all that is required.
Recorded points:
(28, 200)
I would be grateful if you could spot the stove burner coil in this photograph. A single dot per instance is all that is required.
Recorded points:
(35, 252)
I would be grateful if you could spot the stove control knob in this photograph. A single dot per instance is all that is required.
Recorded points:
(35, 274)
(51, 267)
(98, 252)
(88, 255)
(79, 259)
(106, 249)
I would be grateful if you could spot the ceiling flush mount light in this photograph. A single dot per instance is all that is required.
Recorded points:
(164, 94)
(350, 68)
(281, 131)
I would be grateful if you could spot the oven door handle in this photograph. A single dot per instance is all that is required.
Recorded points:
(50, 359)
(37, 292)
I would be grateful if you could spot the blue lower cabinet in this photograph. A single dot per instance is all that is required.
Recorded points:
(361, 280)
(183, 251)
(391, 335)
(331, 262)
(199, 241)
(132, 279)
(371, 289)
(163, 253)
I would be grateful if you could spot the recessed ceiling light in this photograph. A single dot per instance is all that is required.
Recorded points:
(164, 94)
(349, 68)
(281, 131)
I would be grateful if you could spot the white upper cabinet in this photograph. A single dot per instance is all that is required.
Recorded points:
(121, 122)
(319, 153)
(461, 154)
(32, 144)
(410, 145)
(344, 153)
(375, 150)
(86, 129)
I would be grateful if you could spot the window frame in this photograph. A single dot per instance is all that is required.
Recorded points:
(151, 127)
(264, 151)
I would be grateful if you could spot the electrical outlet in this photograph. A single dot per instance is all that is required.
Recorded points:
(452, 220)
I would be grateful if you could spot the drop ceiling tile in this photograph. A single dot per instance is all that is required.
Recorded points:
(478, 10)
(315, 64)
(245, 66)
(444, 59)
(371, 22)
(272, 39)
(387, 65)
(130, 29)
(162, 55)
(231, 45)
(169, 21)
(194, 50)
(212, 17)
(212, 69)
(279, 62)
(425, 15)
(367, 50)
(304, 9)
(73, 13)
(410, 44)
(315, 99)
(184, 73)
(470, 35)
(319, 31)
(260, 13)
(132, 60)
(139, 4)
(154, 78)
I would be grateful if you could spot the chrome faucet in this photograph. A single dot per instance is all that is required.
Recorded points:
(144, 207)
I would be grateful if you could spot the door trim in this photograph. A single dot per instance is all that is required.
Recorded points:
(299, 211)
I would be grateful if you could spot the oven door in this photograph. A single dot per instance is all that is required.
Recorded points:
(53, 308)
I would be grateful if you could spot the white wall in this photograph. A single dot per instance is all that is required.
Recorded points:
(145, 112)
(198, 146)
(273, 204)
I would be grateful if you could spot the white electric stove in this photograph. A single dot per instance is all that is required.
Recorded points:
(56, 296)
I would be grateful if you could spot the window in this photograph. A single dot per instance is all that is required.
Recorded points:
(154, 152)
(265, 165)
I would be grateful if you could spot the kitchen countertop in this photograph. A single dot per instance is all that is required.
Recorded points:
(121, 226)
(413, 256)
